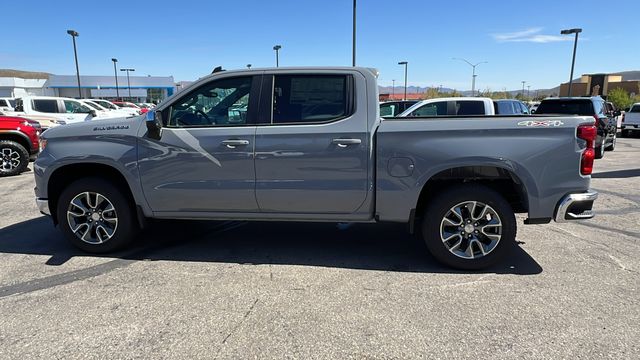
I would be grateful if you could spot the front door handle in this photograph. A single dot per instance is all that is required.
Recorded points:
(343, 143)
(232, 143)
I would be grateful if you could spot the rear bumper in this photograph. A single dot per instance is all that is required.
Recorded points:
(43, 206)
(576, 207)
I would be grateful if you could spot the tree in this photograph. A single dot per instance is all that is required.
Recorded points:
(620, 98)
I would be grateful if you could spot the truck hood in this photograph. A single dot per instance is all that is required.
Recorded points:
(112, 126)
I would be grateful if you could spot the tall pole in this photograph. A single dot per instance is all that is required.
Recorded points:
(473, 73)
(523, 82)
(406, 64)
(277, 49)
(73, 34)
(393, 89)
(115, 74)
(354, 34)
(128, 81)
(573, 60)
(528, 91)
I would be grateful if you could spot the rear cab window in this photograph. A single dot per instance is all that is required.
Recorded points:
(469, 107)
(45, 105)
(569, 107)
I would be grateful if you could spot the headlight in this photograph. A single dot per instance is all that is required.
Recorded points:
(26, 123)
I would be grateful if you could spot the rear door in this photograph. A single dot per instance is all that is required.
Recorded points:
(312, 146)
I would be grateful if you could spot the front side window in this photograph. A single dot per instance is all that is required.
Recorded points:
(46, 106)
(635, 109)
(219, 103)
(74, 107)
(310, 98)
(438, 108)
(12, 103)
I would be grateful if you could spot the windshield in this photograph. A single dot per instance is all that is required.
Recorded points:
(106, 104)
(571, 107)
(92, 105)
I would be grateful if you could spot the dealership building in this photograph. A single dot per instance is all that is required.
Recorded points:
(136, 88)
(599, 84)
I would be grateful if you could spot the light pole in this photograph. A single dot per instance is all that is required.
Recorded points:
(406, 64)
(523, 82)
(353, 51)
(128, 82)
(575, 46)
(115, 74)
(528, 91)
(473, 76)
(74, 34)
(277, 49)
(248, 66)
(393, 89)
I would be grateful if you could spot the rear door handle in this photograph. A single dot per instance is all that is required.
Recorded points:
(343, 143)
(232, 143)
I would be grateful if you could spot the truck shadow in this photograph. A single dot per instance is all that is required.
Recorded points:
(386, 247)
(617, 174)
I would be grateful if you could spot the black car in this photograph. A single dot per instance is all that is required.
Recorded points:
(593, 106)
(393, 108)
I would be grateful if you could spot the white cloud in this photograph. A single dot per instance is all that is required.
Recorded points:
(530, 35)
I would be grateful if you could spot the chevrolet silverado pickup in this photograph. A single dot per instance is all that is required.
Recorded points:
(308, 144)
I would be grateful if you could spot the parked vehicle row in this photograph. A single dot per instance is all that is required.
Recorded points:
(454, 106)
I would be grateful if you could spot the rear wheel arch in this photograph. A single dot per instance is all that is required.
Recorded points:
(67, 174)
(503, 181)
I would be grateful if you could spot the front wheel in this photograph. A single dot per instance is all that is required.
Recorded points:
(95, 216)
(469, 227)
(600, 149)
(612, 146)
(14, 158)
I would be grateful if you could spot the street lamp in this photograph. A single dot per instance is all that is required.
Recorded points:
(473, 76)
(575, 46)
(353, 50)
(74, 34)
(115, 74)
(406, 64)
(528, 91)
(248, 66)
(523, 82)
(393, 89)
(277, 49)
(128, 82)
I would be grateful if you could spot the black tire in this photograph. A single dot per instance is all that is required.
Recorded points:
(126, 225)
(600, 150)
(612, 146)
(14, 158)
(441, 205)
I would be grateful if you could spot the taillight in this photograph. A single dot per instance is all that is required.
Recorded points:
(587, 133)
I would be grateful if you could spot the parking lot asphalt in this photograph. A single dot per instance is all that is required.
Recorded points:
(237, 290)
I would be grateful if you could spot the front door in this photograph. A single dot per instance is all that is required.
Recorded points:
(203, 161)
(312, 149)
(76, 111)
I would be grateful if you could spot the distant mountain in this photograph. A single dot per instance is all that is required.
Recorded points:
(23, 74)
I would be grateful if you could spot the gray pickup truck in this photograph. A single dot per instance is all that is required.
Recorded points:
(308, 144)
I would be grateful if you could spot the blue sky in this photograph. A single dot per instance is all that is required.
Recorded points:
(186, 39)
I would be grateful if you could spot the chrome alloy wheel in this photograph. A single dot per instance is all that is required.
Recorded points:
(10, 159)
(92, 217)
(471, 229)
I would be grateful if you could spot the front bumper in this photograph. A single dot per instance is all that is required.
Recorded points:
(43, 206)
(576, 207)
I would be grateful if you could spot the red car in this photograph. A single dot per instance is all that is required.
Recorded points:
(19, 141)
(126, 104)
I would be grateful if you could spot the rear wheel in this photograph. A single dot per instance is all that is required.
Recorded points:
(612, 146)
(95, 216)
(600, 149)
(14, 158)
(469, 227)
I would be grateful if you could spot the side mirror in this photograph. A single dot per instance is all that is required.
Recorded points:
(93, 113)
(154, 124)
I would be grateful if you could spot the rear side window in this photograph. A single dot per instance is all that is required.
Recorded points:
(47, 106)
(572, 107)
(438, 108)
(469, 107)
(504, 108)
(388, 110)
(311, 98)
(3, 102)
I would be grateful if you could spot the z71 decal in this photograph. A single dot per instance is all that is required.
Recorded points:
(536, 123)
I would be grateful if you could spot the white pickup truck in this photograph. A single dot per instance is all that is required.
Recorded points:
(65, 109)
(466, 106)
(631, 120)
